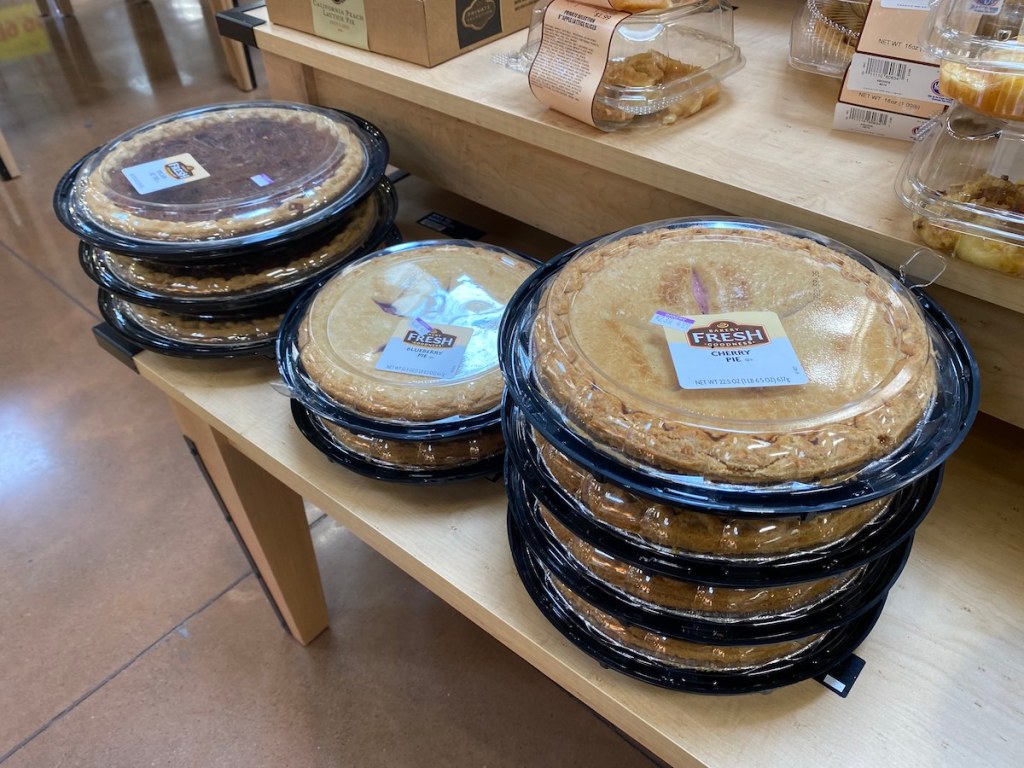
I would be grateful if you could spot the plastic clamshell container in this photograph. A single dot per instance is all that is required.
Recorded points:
(238, 281)
(964, 181)
(675, 663)
(252, 331)
(662, 65)
(890, 393)
(333, 338)
(221, 178)
(981, 52)
(824, 35)
(478, 455)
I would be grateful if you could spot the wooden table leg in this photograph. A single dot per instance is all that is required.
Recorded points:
(8, 168)
(271, 520)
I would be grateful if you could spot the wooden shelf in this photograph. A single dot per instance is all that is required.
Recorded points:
(944, 664)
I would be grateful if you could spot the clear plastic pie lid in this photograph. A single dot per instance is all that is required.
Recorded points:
(406, 335)
(732, 350)
(664, 63)
(253, 332)
(942, 428)
(221, 177)
(465, 458)
(231, 282)
(980, 33)
(825, 33)
(964, 181)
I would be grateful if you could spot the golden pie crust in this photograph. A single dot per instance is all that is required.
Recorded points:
(681, 529)
(196, 281)
(601, 362)
(96, 188)
(359, 330)
(692, 599)
(681, 653)
(420, 454)
(198, 330)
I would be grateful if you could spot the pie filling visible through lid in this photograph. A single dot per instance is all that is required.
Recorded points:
(267, 164)
(349, 322)
(860, 339)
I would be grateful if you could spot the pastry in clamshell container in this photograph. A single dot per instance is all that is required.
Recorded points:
(963, 179)
(666, 61)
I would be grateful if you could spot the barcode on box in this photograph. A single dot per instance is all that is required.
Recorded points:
(890, 70)
(849, 117)
(869, 116)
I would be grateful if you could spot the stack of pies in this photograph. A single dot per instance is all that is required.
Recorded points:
(393, 361)
(201, 227)
(723, 432)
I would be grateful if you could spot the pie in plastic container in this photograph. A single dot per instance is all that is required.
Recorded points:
(221, 178)
(335, 336)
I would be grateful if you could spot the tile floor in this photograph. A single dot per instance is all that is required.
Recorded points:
(131, 630)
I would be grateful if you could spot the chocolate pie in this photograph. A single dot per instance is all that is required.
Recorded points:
(268, 164)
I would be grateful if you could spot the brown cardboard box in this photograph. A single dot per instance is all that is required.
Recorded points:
(424, 32)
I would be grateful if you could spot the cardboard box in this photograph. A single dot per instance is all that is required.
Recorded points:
(424, 32)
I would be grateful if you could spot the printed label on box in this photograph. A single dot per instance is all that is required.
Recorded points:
(343, 22)
(849, 117)
(477, 20)
(907, 5)
(894, 31)
(164, 174)
(419, 348)
(734, 350)
(904, 79)
(886, 103)
(987, 6)
(570, 62)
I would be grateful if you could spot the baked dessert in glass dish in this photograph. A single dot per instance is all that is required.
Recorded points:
(221, 178)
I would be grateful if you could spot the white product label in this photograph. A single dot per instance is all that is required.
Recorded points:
(907, 5)
(421, 349)
(848, 117)
(987, 6)
(164, 174)
(570, 62)
(342, 22)
(734, 350)
(668, 320)
(261, 180)
(904, 79)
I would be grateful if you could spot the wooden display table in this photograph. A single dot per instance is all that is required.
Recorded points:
(766, 150)
(945, 664)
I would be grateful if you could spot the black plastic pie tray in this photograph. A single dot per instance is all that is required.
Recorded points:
(316, 433)
(826, 655)
(870, 587)
(112, 310)
(941, 433)
(96, 264)
(892, 529)
(187, 251)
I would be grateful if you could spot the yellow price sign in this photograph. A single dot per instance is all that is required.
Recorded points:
(21, 32)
